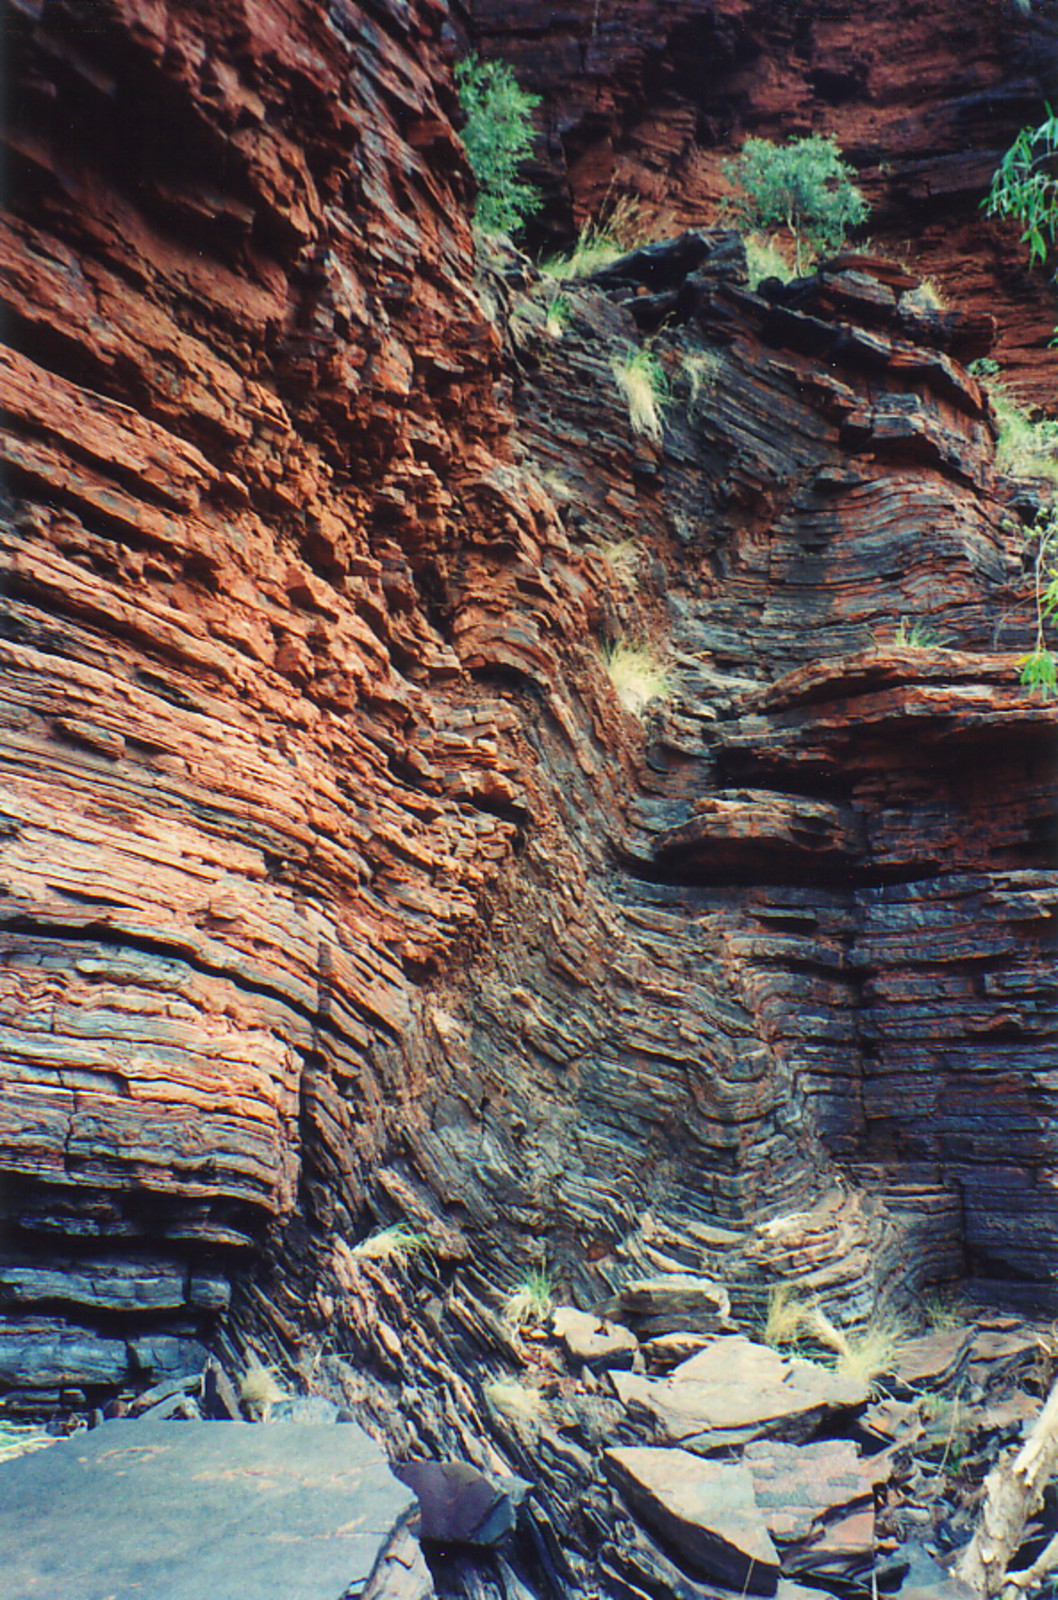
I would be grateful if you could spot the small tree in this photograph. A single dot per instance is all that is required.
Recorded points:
(803, 186)
(498, 136)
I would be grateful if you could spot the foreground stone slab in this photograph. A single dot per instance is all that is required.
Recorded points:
(735, 1390)
(705, 1511)
(191, 1510)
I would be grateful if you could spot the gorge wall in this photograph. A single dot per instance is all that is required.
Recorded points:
(338, 887)
(647, 100)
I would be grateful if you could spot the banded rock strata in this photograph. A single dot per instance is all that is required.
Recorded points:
(338, 887)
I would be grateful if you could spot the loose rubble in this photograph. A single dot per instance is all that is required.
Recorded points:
(760, 1470)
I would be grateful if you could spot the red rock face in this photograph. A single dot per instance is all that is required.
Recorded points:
(649, 97)
(334, 875)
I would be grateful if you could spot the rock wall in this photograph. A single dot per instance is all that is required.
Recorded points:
(338, 886)
(648, 99)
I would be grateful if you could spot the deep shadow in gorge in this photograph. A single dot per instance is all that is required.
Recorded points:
(338, 887)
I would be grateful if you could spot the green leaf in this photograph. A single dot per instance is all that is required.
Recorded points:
(1039, 672)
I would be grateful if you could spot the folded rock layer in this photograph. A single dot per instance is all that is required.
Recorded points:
(337, 884)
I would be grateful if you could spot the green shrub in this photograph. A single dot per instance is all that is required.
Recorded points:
(498, 136)
(803, 186)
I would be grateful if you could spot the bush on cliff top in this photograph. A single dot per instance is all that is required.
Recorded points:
(803, 186)
(498, 137)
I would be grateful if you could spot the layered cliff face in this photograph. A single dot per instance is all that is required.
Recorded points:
(647, 98)
(338, 886)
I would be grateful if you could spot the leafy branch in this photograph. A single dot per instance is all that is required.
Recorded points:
(1025, 187)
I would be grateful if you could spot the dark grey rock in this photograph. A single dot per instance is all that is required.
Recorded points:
(226, 1511)
(104, 1284)
(461, 1505)
(220, 1399)
(43, 1353)
(209, 1291)
(167, 1354)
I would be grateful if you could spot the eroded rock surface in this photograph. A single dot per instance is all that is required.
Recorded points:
(338, 885)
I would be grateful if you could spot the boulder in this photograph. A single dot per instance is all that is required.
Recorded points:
(736, 1390)
(706, 1512)
(458, 1504)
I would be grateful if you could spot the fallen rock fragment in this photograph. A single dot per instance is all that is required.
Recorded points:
(669, 1349)
(735, 1390)
(801, 1487)
(933, 1361)
(592, 1342)
(461, 1505)
(706, 1512)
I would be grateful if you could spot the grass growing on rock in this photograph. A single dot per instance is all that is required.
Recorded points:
(531, 1302)
(862, 1356)
(260, 1390)
(1026, 448)
(617, 229)
(638, 676)
(765, 259)
(642, 380)
(396, 1243)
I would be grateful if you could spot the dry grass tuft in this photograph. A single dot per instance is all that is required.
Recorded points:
(260, 1390)
(396, 1243)
(618, 228)
(863, 1356)
(927, 296)
(624, 557)
(637, 675)
(702, 371)
(765, 259)
(531, 1302)
(642, 380)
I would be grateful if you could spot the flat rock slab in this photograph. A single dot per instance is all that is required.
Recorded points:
(704, 1510)
(590, 1341)
(199, 1511)
(933, 1361)
(735, 1390)
(805, 1490)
